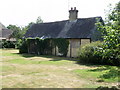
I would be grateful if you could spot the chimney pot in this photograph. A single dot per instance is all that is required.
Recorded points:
(73, 14)
(74, 8)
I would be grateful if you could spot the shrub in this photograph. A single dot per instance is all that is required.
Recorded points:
(18, 43)
(108, 88)
(94, 53)
(87, 53)
(8, 44)
(23, 46)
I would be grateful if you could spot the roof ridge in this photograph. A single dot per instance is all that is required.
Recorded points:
(68, 20)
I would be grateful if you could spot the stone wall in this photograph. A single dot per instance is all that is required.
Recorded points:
(74, 46)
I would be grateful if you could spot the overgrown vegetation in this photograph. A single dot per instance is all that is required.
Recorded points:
(62, 45)
(109, 51)
(44, 46)
(87, 53)
(23, 46)
(111, 34)
(7, 44)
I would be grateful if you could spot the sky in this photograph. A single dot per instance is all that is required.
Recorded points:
(22, 12)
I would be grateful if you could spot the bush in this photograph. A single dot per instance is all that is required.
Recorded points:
(88, 53)
(94, 53)
(108, 88)
(8, 44)
(111, 56)
(23, 46)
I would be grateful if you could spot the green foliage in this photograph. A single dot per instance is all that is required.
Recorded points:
(104, 73)
(107, 88)
(18, 43)
(39, 20)
(62, 45)
(113, 73)
(8, 44)
(87, 53)
(44, 46)
(17, 32)
(111, 34)
(23, 46)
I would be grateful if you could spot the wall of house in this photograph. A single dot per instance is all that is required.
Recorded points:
(84, 41)
(74, 45)
(73, 48)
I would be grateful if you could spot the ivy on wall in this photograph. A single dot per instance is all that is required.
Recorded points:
(45, 46)
(62, 45)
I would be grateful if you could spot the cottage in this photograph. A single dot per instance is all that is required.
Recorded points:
(78, 31)
(5, 34)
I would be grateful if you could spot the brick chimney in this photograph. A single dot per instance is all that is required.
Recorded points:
(73, 14)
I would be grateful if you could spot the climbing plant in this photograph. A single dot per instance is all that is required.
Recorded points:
(45, 46)
(62, 45)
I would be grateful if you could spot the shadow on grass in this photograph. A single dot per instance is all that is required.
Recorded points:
(101, 68)
(54, 58)
(88, 64)
(112, 71)
(26, 55)
(57, 58)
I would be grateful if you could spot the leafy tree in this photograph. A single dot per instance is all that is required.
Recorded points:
(39, 20)
(30, 24)
(111, 35)
(16, 31)
(24, 29)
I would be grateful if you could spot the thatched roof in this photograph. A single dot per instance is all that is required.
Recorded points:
(2, 26)
(80, 28)
(4, 32)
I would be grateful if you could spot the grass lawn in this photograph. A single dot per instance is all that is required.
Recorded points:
(29, 71)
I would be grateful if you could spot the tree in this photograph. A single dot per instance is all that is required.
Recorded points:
(24, 29)
(39, 20)
(17, 33)
(111, 35)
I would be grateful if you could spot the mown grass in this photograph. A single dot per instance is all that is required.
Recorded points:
(26, 70)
